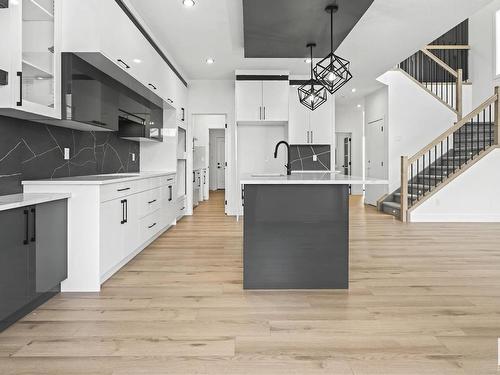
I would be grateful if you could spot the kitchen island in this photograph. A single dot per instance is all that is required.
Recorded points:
(296, 230)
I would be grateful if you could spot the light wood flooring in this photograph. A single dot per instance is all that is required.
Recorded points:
(424, 299)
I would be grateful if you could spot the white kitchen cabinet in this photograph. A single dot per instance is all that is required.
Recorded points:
(110, 32)
(262, 100)
(310, 127)
(110, 223)
(31, 59)
(275, 100)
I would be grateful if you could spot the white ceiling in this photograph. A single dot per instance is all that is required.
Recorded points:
(390, 31)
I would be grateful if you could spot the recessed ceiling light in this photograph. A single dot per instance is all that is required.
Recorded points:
(210, 61)
(307, 60)
(359, 105)
(353, 89)
(188, 3)
(137, 61)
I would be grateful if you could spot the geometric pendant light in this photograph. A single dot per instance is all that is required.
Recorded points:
(312, 94)
(333, 71)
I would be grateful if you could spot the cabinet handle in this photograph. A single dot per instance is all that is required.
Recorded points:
(124, 63)
(20, 102)
(154, 200)
(151, 85)
(26, 227)
(170, 100)
(123, 212)
(152, 225)
(183, 114)
(126, 210)
(33, 211)
(307, 136)
(124, 189)
(264, 113)
(260, 113)
(170, 179)
(170, 191)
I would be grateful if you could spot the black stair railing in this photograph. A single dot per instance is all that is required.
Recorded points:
(448, 154)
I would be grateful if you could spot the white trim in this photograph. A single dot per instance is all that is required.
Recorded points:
(454, 218)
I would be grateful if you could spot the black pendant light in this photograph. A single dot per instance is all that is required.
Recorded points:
(312, 94)
(333, 71)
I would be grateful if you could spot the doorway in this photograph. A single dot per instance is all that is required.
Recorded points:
(376, 159)
(343, 153)
(217, 159)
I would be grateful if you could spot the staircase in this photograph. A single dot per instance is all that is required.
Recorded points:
(441, 70)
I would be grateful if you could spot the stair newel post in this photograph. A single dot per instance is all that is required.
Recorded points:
(497, 116)
(404, 188)
(459, 97)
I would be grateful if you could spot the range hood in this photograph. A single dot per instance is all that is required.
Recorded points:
(96, 93)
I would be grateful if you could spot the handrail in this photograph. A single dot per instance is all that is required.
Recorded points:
(449, 154)
(440, 62)
(454, 128)
(447, 46)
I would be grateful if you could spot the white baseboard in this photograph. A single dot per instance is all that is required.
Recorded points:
(455, 218)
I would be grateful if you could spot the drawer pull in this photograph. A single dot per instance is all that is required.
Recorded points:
(182, 209)
(152, 225)
(154, 200)
(124, 189)
(170, 179)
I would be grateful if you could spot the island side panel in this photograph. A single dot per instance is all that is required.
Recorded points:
(296, 237)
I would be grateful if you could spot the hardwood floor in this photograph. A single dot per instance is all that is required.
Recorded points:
(424, 299)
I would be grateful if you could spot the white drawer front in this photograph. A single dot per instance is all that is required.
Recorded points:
(149, 201)
(115, 191)
(150, 225)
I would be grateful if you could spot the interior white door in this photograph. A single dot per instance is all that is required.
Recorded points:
(275, 100)
(376, 159)
(249, 100)
(298, 123)
(220, 150)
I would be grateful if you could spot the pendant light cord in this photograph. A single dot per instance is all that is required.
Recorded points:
(331, 30)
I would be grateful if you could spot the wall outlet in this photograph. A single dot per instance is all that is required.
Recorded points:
(133, 156)
(66, 153)
(315, 157)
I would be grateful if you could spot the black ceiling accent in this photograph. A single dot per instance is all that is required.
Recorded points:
(149, 38)
(280, 28)
(262, 78)
(4, 3)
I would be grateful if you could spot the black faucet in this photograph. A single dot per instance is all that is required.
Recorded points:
(288, 165)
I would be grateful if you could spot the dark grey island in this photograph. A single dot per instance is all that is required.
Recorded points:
(296, 230)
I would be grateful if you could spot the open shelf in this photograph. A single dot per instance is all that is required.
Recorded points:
(38, 10)
(31, 70)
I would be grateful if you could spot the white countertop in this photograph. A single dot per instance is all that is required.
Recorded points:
(309, 178)
(100, 179)
(9, 202)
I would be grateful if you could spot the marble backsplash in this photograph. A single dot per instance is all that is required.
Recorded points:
(31, 150)
(302, 157)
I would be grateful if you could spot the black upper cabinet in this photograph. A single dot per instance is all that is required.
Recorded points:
(89, 95)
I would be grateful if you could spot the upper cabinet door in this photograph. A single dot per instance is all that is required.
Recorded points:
(298, 124)
(275, 100)
(249, 101)
(322, 123)
(31, 56)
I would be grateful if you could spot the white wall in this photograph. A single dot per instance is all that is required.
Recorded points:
(218, 97)
(349, 119)
(471, 197)
(415, 119)
(482, 53)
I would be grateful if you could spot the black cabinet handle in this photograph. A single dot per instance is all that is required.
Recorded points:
(26, 224)
(151, 226)
(124, 63)
(126, 210)
(154, 200)
(151, 85)
(33, 211)
(20, 102)
(123, 212)
(170, 179)
(183, 208)
(170, 100)
(183, 114)
(170, 191)
(124, 189)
